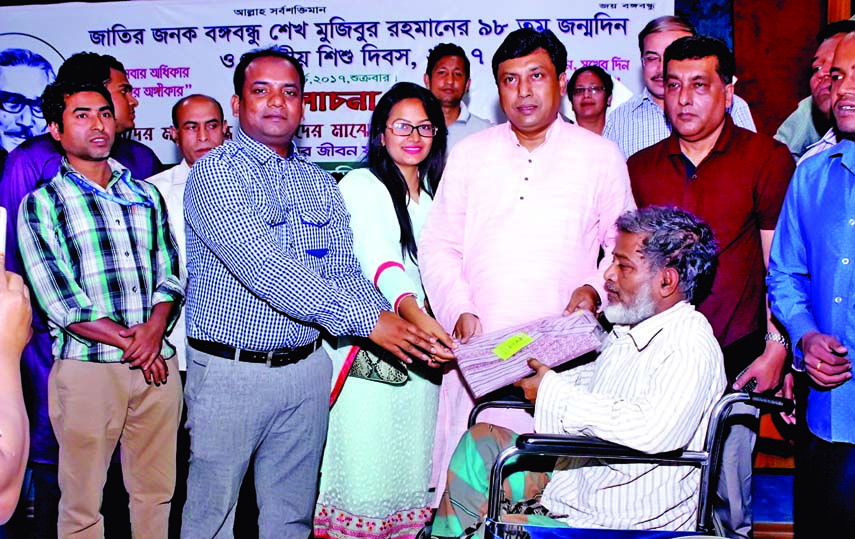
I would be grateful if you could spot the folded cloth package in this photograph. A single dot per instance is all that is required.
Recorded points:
(498, 359)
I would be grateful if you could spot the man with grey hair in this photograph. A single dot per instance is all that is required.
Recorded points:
(735, 180)
(23, 77)
(652, 388)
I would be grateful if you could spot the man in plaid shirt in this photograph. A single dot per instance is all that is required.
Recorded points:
(103, 265)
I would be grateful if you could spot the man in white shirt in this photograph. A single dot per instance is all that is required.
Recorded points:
(641, 122)
(447, 78)
(197, 126)
(652, 388)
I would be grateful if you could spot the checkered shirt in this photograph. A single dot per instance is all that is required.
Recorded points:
(270, 252)
(88, 257)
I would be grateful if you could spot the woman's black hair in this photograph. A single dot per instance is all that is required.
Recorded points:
(382, 166)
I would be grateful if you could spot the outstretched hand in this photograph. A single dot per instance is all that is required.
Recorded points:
(404, 339)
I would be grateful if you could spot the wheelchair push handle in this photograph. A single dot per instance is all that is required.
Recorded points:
(771, 404)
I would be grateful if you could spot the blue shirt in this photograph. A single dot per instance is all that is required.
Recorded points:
(812, 274)
(270, 252)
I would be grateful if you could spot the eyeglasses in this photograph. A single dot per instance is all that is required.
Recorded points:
(403, 129)
(593, 89)
(15, 103)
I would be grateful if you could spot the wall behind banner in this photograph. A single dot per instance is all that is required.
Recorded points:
(351, 53)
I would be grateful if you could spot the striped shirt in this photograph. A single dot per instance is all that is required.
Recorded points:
(652, 389)
(640, 122)
(269, 252)
(93, 253)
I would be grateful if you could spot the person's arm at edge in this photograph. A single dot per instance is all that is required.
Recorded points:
(14, 426)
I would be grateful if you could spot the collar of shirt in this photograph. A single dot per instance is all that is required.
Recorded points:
(721, 145)
(180, 173)
(263, 153)
(116, 168)
(643, 334)
(845, 150)
(556, 125)
(645, 99)
(828, 139)
(463, 117)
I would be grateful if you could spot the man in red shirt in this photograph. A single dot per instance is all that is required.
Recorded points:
(736, 181)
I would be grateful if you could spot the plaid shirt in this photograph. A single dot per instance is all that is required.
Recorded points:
(89, 257)
(269, 252)
(640, 123)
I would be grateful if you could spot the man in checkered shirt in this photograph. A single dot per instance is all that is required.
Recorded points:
(270, 262)
(103, 265)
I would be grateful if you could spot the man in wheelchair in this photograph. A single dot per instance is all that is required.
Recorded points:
(652, 389)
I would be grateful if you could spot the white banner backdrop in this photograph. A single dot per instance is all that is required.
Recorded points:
(352, 51)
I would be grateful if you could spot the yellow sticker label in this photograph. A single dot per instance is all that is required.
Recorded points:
(512, 345)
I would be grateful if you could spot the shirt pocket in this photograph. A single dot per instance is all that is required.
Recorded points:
(141, 229)
(313, 236)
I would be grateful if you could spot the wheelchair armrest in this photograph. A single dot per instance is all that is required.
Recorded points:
(564, 445)
(505, 402)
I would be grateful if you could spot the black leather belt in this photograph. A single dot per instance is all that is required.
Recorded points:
(274, 358)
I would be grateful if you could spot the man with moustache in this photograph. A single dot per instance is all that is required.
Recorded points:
(641, 121)
(270, 262)
(447, 78)
(30, 165)
(103, 266)
(518, 221)
(801, 130)
(651, 388)
(811, 291)
(735, 180)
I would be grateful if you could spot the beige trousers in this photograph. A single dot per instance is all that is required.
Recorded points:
(94, 406)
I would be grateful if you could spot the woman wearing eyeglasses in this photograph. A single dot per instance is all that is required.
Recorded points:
(590, 90)
(377, 462)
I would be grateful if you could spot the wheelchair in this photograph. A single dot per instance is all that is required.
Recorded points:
(554, 445)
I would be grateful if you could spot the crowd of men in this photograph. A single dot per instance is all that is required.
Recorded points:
(734, 271)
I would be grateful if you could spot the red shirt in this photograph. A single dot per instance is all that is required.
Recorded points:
(738, 189)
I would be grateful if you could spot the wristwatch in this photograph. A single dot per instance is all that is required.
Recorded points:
(778, 338)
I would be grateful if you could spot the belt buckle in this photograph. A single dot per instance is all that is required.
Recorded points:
(269, 360)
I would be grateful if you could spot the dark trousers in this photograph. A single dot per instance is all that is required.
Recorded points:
(825, 481)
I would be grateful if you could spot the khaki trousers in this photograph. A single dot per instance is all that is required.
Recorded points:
(94, 406)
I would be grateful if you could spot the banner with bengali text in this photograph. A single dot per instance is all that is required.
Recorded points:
(351, 51)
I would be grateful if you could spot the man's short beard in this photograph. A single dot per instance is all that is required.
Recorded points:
(641, 308)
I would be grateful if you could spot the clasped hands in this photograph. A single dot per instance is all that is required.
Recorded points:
(142, 350)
